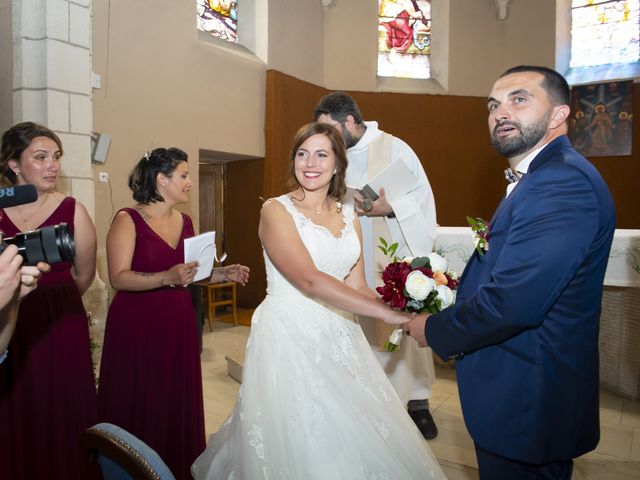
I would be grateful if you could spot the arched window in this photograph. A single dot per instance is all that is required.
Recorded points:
(404, 38)
(604, 32)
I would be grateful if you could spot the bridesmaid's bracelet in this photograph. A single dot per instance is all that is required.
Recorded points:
(165, 283)
(220, 270)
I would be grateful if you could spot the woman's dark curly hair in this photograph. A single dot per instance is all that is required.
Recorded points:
(143, 178)
(15, 141)
(337, 187)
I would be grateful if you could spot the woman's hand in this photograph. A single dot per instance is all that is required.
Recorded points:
(396, 317)
(182, 273)
(29, 276)
(237, 273)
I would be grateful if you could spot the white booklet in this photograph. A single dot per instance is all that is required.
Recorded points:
(203, 249)
(396, 179)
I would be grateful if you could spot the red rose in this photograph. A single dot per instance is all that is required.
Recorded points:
(394, 277)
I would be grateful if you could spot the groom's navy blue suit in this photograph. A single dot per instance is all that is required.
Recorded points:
(525, 323)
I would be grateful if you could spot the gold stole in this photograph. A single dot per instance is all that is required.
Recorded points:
(378, 157)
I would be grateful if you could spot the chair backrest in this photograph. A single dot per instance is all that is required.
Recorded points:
(111, 453)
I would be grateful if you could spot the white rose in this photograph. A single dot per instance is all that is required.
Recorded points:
(418, 285)
(438, 263)
(408, 260)
(446, 295)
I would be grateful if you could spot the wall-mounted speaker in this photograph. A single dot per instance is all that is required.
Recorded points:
(101, 142)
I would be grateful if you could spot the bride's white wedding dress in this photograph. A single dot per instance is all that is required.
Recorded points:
(314, 402)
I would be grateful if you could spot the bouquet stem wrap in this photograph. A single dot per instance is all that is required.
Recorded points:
(394, 340)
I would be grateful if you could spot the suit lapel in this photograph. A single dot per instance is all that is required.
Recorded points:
(543, 157)
(547, 154)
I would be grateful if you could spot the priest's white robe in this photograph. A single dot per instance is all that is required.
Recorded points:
(410, 368)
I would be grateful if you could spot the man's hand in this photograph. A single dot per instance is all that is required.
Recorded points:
(10, 263)
(29, 276)
(415, 328)
(381, 207)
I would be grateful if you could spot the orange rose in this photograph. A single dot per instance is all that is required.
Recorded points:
(440, 278)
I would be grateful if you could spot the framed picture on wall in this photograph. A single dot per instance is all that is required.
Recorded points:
(601, 121)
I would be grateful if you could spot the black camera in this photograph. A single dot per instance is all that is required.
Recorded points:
(53, 244)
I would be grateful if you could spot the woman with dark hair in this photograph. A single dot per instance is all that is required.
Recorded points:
(314, 402)
(150, 379)
(47, 389)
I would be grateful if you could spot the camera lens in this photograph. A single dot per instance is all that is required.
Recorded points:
(52, 244)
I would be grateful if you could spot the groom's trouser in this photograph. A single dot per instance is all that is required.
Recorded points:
(495, 467)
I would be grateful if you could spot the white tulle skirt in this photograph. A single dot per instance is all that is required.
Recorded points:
(314, 404)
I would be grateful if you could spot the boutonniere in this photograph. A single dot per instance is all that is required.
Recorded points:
(480, 229)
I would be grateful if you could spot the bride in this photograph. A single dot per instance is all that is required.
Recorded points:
(314, 402)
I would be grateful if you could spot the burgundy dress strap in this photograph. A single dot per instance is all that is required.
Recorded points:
(66, 210)
(138, 221)
(134, 214)
(187, 228)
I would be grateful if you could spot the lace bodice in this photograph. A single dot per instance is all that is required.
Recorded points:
(332, 255)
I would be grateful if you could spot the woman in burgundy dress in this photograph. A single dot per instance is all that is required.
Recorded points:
(150, 379)
(47, 389)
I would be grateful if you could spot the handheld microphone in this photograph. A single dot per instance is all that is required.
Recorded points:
(18, 195)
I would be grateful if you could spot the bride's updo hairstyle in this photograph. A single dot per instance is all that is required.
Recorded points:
(143, 178)
(337, 186)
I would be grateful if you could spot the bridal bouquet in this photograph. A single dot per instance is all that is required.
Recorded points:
(417, 285)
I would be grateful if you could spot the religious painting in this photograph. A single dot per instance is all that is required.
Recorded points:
(601, 121)
(404, 38)
(218, 18)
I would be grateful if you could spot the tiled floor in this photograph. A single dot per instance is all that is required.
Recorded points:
(616, 458)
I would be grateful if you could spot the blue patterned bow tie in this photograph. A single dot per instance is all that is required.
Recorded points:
(511, 176)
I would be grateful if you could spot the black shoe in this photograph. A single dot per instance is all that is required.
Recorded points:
(425, 423)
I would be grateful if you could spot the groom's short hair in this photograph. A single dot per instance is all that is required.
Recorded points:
(553, 83)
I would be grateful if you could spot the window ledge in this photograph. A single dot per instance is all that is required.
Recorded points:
(410, 85)
(229, 47)
(603, 73)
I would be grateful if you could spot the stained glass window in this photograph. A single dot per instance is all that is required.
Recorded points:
(604, 31)
(404, 38)
(218, 18)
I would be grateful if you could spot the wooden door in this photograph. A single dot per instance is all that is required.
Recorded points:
(211, 186)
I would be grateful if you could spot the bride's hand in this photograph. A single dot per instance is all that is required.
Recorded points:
(395, 317)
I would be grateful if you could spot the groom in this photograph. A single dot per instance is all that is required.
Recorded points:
(524, 328)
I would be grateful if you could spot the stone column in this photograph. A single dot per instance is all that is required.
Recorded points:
(52, 86)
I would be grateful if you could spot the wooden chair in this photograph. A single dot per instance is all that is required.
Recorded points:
(220, 295)
(111, 453)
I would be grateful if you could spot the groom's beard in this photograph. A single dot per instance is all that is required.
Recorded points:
(529, 137)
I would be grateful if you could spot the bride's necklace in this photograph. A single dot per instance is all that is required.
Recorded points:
(317, 210)
(27, 218)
